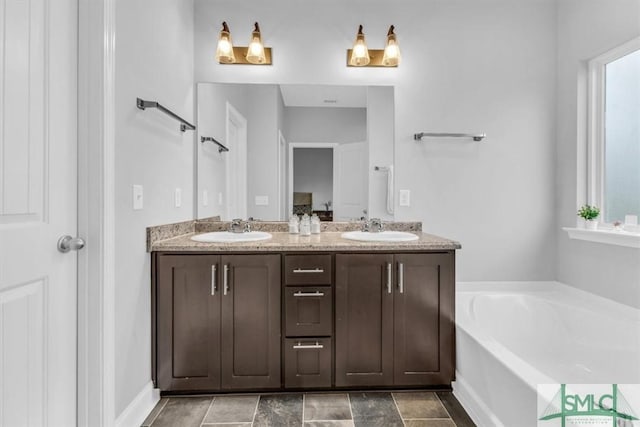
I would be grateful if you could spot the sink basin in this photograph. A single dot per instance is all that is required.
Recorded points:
(384, 236)
(228, 237)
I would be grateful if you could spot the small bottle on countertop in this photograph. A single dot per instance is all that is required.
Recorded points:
(294, 224)
(305, 226)
(315, 224)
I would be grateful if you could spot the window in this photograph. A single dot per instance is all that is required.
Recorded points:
(614, 132)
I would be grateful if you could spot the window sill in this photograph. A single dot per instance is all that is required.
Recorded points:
(609, 237)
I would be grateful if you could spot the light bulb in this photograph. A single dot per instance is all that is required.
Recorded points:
(255, 52)
(224, 51)
(359, 53)
(391, 57)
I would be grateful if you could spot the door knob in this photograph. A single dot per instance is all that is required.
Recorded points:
(68, 243)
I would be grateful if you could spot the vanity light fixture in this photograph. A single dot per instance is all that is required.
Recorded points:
(391, 57)
(255, 53)
(361, 56)
(224, 52)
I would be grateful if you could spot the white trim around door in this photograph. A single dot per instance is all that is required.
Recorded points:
(292, 145)
(96, 214)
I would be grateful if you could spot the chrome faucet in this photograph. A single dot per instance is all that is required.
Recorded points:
(376, 225)
(373, 225)
(240, 226)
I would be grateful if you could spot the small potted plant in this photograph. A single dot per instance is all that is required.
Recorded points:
(589, 214)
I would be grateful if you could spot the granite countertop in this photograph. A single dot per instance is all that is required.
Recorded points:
(281, 241)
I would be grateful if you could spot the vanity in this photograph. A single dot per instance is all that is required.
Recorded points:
(294, 312)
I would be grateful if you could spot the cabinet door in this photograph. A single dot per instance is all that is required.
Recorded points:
(250, 321)
(423, 319)
(188, 322)
(364, 320)
(308, 311)
(307, 362)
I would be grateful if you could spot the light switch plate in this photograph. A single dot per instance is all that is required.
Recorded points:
(205, 198)
(178, 197)
(220, 198)
(138, 197)
(405, 198)
(262, 200)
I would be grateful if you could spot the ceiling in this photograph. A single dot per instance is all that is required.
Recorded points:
(324, 96)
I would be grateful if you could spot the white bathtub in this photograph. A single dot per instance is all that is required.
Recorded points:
(512, 336)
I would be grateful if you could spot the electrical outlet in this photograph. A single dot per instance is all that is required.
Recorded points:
(178, 197)
(138, 197)
(405, 198)
(205, 198)
(220, 199)
(262, 200)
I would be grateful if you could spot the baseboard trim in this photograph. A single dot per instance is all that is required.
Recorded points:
(136, 412)
(471, 402)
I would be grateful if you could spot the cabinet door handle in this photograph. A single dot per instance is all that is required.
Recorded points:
(225, 279)
(308, 294)
(401, 277)
(308, 270)
(389, 285)
(301, 346)
(214, 286)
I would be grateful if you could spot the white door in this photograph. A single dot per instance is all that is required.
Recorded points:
(350, 171)
(236, 165)
(38, 154)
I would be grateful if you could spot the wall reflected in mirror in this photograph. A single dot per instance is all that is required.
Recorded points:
(294, 148)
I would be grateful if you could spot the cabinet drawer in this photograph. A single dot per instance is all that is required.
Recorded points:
(307, 269)
(308, 311)
(307, 362)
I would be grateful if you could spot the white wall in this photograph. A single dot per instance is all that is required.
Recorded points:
(212, 110)
(380, 135)
(588, 28)
(154, 61)
(486, 65)
(326, 124)
(262, 150)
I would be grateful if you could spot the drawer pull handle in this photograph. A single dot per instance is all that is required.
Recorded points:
(301, 346)
(389, 286)
(308, 294)
(308, 270)
(401, 277)
(225, 279)
(214, 286)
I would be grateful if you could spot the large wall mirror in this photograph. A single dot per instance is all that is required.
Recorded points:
(266, 151)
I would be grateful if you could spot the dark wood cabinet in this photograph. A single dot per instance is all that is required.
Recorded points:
(394, 319)
(307, 362)
(217, 322)
(423, 319)
(187, 323)
(364, 320)
(251, 322)
(308, 320)
(228, 322)
(308, 311)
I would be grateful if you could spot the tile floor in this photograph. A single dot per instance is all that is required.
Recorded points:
(354, 409)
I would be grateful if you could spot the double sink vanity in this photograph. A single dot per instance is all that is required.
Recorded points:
(301, 312)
